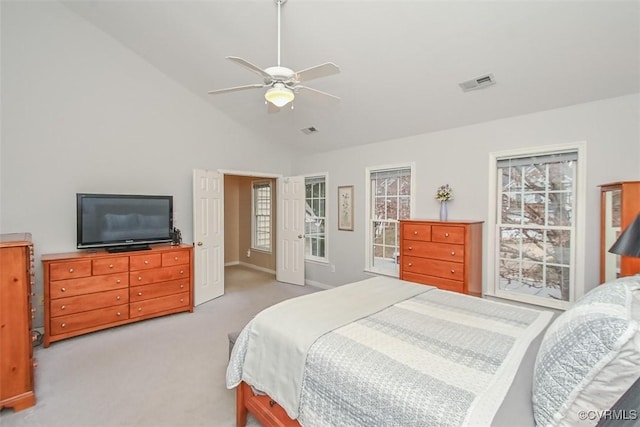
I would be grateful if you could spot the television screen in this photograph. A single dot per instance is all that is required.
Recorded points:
(123, 220)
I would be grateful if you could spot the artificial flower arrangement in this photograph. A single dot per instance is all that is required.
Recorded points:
(444, 193)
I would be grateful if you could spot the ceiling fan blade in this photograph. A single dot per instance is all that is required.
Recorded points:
(249, 66)
(234, 89)
(322, 70)
(326, 95)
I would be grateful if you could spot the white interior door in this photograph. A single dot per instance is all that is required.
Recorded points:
(290, 232)
(208, 234)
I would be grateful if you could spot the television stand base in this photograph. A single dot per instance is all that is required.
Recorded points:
(128, 248)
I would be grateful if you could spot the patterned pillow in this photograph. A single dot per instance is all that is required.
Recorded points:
(589, 356)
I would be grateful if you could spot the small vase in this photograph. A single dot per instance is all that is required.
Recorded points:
(443, 210)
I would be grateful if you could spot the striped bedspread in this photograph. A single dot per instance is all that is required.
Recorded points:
(436, 359)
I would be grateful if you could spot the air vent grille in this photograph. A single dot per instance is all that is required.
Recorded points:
(309, 130)
(478, 83)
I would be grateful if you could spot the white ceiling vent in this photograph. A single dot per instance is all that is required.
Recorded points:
(309, 130)
(478, 83)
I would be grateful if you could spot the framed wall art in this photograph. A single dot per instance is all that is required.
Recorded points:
(345, 208)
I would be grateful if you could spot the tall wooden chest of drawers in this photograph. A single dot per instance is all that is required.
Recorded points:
(86, 292)
(16, 314)
(446, 254)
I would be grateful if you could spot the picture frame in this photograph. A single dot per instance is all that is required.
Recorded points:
(345, 208)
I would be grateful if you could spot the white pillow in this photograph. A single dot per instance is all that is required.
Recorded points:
(589, 356)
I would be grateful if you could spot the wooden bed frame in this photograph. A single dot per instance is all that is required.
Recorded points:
(262, 407)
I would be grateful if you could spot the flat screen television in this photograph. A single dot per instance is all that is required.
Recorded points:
(123, 222)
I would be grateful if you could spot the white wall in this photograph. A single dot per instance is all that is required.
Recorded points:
(460, 158)
(81, 113)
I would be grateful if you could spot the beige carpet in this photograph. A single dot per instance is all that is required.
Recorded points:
(168, 371)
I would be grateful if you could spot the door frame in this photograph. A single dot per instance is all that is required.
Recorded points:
(258, 175)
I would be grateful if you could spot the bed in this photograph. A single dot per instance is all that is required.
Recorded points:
(386, 352)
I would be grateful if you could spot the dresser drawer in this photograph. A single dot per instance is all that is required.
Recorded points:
(439, 282)
(146, 261)
(151, 306)
(175, 258)
(447, 234)
(164, 274)
(416, 232)
(80, 303)
(69, 269)
(442, 251)
(89, 319)
(155, 290)
(86, 285)
(433, 267)
(110, 265)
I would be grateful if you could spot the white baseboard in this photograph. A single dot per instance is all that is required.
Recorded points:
(318, 284)
(267, 270)
(257, 267)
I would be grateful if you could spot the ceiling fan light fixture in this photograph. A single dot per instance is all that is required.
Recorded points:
(279, 95)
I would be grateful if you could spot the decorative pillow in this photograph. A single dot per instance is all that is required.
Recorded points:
(589, 356)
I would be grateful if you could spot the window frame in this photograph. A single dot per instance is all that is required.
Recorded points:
(368, 267)
(577, 242)
(254, 230)
(313, 258)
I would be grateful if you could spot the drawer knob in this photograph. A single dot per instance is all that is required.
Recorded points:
(415, 233)
(64, 325)
(118, 297)
(410, 264)
(452, 271)
(181, 271)
(146, 261)
(446, 234)
(110, 265)
(63, 307)
(453, 253)
(139, 294)
(139, 308)
(71, 270)
(117, 280)
(410, 248)
(181, 286)
(181, 299)
(63, 289)
(139, 278)
(175, 258)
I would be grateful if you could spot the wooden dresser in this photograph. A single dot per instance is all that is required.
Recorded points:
(16, 314)
(444, 254)
(86, 292)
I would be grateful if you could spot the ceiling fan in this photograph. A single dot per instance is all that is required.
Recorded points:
(283, 83)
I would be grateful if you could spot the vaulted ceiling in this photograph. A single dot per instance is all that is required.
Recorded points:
(401, 62)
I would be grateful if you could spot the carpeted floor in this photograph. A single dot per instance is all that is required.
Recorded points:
(168, 371)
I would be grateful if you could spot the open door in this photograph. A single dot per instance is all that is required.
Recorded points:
(290, 232)
(208, 234)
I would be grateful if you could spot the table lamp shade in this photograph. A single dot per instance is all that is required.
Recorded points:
(628, 244)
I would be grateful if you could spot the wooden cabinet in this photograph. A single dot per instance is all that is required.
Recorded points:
(444, 254)
(619, 206)
(16, 314)
(86, 292)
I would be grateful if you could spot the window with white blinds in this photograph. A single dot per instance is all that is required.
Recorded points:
(535, 226)
(262, 216)
(390, 199)
(315, 218)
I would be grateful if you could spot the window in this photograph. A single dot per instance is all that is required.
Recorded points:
(389, 192)
(262, 216)
(315, 218)
(536, 218)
